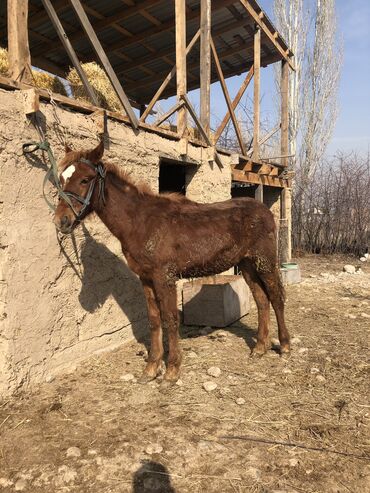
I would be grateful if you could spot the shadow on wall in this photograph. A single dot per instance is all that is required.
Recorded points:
(152, 477)
(104, 275)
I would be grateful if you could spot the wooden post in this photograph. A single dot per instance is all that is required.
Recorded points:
(258, 193)
(180, 16)
(18, 47)
(285, 230)
(205, 63)
(257, 93)
(284, 88)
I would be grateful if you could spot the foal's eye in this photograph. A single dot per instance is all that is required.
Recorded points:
(84, 181)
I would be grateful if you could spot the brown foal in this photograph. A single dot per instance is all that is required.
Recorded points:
(165, 237)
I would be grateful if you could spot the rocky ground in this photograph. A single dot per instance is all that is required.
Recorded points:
(232, 424)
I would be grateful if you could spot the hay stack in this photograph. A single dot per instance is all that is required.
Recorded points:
(48, 82)
(4, 65)
(100, 83)
(42, 80)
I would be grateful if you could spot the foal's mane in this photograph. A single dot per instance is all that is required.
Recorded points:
(122, 178)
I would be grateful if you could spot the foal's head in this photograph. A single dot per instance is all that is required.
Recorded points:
(80, 174)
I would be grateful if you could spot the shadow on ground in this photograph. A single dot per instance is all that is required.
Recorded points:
(152, 477)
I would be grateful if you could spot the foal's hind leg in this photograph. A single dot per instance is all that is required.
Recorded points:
(156, 345)
(276, 294)
(263, 306)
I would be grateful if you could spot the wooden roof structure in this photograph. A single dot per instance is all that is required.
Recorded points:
(153, 49)
(139, 39)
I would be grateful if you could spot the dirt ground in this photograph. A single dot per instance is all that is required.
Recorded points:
(302, 423)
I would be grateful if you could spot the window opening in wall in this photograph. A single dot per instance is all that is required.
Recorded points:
(174, 176)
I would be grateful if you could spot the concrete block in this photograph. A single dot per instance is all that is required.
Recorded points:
(290, 276)
(216, 301)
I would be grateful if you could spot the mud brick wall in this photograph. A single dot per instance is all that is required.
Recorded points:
(61, 302)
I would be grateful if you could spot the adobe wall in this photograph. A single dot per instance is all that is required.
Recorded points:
(60, 303)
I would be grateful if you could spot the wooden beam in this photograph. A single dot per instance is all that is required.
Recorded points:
(265, 138)
(205, 63)
(180, 16)
(227, 97)
(18, 46)
(166, 115)
(201, 129)
(167, 80)
(284, 87)
(249, 177)
(69, 49)
(235, 103)
(104, 61)
(258, 18)
(257, 93)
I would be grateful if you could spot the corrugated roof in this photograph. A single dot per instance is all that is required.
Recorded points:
(139, 39)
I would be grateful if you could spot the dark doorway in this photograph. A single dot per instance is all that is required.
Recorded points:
(242, 190)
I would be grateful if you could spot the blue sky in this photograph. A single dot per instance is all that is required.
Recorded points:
(352, 130)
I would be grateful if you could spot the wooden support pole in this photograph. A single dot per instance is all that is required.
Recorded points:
(100, 53)
(69, 49)
(258, 193)
(205, 63)
(265, 138)
(18, 47)
(180, 16)
(257, 93)
(227, 98)
(235, 103)
(284, 87)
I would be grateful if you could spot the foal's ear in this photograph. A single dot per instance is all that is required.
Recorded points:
(67, 149)
(96, 154)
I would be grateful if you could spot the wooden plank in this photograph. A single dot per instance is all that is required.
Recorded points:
(205, 63)
(31, 102)
(265, 138)
(259, 21)
(104, 61)
(69, 49)
(284, 88)
(18, 46)
(227, 97)
(167, 80)
(256, 93)
(166, 115)
(235, 103)
(201, 128)
(258, 193)
(180, 15)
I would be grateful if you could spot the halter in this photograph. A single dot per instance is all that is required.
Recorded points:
(85, 201)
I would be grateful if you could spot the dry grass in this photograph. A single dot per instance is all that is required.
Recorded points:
(303, 426)
(42, 80)
(4, 65)
(100, 83)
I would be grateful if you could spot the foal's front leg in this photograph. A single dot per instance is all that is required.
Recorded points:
(156, 345)
(166, 296)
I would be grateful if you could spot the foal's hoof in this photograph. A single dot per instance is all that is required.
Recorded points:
(285, 352)
(258, 351)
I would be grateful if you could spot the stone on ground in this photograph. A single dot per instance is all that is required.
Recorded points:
(209, 386)
(214, 371)
(350, 269)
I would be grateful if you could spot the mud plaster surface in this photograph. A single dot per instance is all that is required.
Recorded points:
(58, 306)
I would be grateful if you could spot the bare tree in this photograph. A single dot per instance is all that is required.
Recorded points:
(324, 61)
(310, 29)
